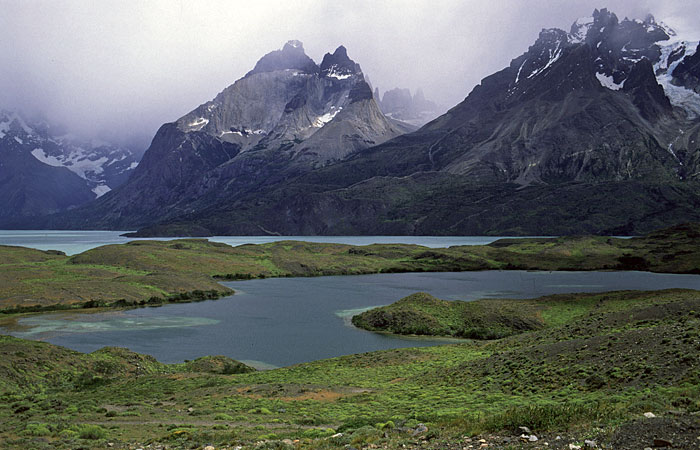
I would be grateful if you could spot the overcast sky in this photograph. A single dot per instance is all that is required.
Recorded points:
(125, 67)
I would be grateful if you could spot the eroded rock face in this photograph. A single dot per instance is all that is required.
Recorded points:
(285, 117)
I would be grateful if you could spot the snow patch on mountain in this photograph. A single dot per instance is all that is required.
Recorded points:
(554, 55)
(338, 73)
(39, 154)
(327, 117)
(579, 30)
(679, 96)
(100, 190)
(198, 124)
(607, 82)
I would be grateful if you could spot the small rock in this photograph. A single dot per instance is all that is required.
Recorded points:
(483, 441)
(420, 429)
(209, 447)
(190, 409)
(590, 444)
(649, 415)
(662, 443)
(336, 435)
(558, 438)
(110, 444)
(484, 445)
(574, 447)
(524, 430)
(287, 441)
(532, 438)
(648, 448)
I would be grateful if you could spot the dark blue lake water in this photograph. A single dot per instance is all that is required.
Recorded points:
(283, 321)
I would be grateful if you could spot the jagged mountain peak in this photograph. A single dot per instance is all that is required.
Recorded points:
(291, 56)
(604, 17)
(283, 99)
(616, 48)
(293, 45)
(293, 153)
(338, 65)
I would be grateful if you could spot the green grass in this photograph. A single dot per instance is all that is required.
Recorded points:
(596, 361)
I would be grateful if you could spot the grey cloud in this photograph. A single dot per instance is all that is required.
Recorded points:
(122, 68)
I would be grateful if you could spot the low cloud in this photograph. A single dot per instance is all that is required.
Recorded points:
(119, 69)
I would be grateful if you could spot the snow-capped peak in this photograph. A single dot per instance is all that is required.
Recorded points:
(607, 82)
(101, 164)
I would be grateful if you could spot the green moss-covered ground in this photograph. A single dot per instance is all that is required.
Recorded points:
(592, 365)
(153, 272)
(424, 314)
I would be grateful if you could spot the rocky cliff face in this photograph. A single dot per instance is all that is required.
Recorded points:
(286, 117)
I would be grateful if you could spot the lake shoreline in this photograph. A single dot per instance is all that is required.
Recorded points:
(151, 273)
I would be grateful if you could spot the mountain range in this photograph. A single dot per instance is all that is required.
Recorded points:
(591, 130)
(44, 170)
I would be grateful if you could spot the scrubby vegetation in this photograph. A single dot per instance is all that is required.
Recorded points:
(424, 314)
(576, 366)
(591, 365)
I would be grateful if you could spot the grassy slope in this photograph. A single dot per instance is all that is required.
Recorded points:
(423, 314)
(155, 271)
(612, 356)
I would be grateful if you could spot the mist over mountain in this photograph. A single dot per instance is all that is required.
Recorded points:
(285, 117)
(45, 170)
(595, 129)
(119, 69)
(414, 109)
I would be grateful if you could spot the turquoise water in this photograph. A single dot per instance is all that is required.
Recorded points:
(72, 242)
(284, 321)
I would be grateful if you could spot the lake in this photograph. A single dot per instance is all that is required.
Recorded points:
(72, 242)
(283, 321)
